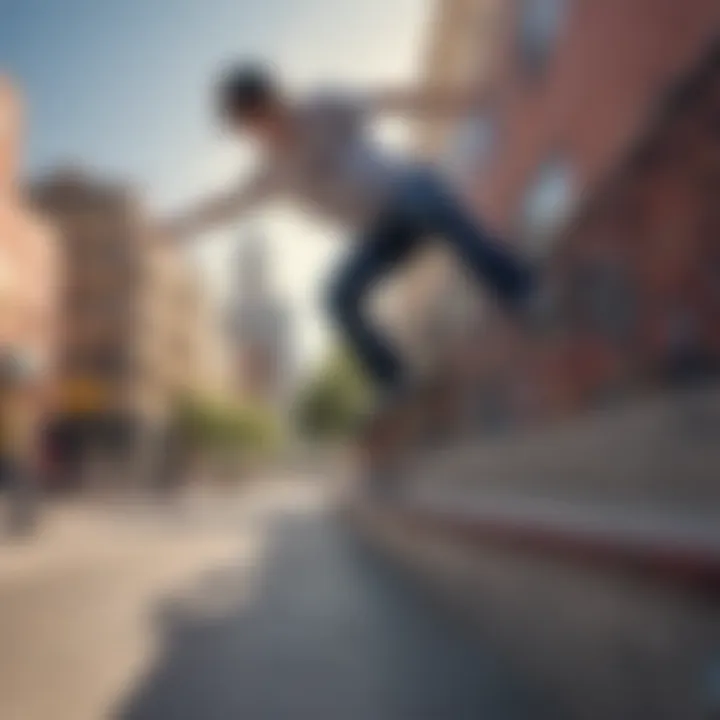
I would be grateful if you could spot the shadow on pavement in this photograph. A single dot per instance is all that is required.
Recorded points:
(326, 630)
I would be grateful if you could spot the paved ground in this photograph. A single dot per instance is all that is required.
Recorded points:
(260, 610)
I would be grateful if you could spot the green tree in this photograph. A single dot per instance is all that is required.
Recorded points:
(210, 427)
(334, 399)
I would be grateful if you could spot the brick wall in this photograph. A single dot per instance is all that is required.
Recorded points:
(631, 300)
(634, 277)
(610, 63)
(637, 271)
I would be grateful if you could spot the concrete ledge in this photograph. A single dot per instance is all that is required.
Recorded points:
(660, 454)
(681, 554)
(602, 640)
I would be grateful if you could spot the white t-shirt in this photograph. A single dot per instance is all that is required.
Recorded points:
(332, 167)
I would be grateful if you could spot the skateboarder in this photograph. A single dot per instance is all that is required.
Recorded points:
(317, 152)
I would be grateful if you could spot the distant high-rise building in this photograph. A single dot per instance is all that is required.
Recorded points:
(260, 329)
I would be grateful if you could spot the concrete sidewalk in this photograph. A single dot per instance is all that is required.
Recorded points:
(269, 611)
(71, 534)
(78, 606)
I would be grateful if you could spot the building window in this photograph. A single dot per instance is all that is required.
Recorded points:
(547, 205)
(540, 23)
(470, 146)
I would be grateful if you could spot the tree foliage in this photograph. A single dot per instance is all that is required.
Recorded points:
(334, 399)
(211, 427)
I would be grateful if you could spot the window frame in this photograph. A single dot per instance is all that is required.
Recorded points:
(538, 240)
(536, 44)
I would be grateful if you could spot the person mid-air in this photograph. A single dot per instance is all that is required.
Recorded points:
(318, 153)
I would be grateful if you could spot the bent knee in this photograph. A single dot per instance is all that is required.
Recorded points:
(343, 300)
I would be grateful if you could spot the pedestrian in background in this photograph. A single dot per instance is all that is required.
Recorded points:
(19, 439)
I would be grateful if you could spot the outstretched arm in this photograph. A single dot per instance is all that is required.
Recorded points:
(425, 102)
(221, 208)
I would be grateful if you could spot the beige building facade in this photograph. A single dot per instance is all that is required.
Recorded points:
(461, 55)
(135, 325)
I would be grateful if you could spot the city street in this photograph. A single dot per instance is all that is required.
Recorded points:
(263, 607)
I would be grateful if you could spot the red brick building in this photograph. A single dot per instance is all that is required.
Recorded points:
(577, 81)
(635, 276)
(604, 155)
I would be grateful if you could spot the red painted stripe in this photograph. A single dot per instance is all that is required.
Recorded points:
(688, 566)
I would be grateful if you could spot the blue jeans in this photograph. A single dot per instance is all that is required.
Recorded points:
(422, 207)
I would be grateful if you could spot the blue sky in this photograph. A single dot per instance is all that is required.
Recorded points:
(122, 86)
